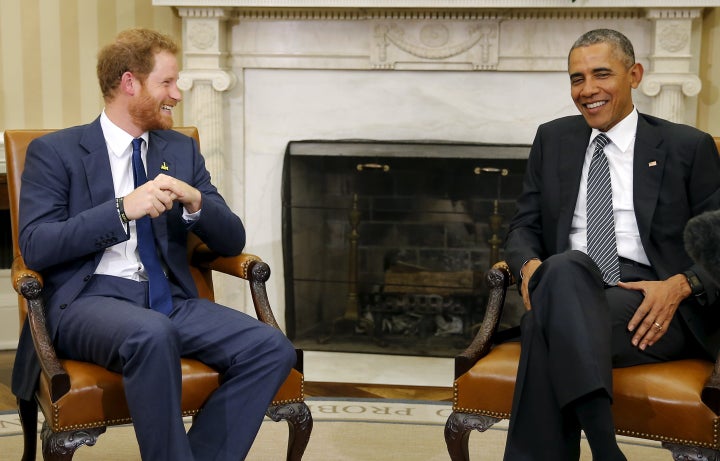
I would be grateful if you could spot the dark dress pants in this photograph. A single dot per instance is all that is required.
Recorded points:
(109, 325)
(574, 334)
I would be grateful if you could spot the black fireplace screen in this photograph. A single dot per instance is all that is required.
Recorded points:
(386, 244)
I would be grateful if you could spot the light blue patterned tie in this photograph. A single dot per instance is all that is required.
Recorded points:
(602, 247)
(159, 288)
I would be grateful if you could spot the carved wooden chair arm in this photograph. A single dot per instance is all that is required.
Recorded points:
(498, 279)
(246, 266)
(28, 284)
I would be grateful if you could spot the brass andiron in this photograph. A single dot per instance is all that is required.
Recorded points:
(348, 323)
(495, 219)
(351, 307)
(495, 241)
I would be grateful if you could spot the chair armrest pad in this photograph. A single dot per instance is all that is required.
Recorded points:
(246, 266)
(237, 266)
(19, 271)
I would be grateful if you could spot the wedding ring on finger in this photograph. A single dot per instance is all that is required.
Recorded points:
(658, 327)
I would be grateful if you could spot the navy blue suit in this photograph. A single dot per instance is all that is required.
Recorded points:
(68, 217)
(577, 328)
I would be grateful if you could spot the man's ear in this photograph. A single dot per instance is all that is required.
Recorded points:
(636, 74)
(128, 84)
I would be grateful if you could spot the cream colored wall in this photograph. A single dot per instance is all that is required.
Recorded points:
(48, 51)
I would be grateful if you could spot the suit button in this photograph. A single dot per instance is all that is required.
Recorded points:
(87, 277)
(63, 306)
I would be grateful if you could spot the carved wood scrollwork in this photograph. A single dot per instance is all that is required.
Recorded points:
(31, 289)
(688, 453)
(458, 429)
(260, 272)
(300, 422)
(62, 445)
(460, 423)
(298, 414)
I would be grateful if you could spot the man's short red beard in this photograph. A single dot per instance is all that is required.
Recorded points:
(147, 115)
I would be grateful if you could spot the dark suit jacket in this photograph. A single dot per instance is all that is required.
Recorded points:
(68, 217)
(684, 182)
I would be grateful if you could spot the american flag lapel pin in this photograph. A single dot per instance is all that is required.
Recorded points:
(653, 163)
(164, 166)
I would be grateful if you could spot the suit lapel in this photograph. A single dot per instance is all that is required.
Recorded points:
(97, 164)
(573, 146)
(648, 167)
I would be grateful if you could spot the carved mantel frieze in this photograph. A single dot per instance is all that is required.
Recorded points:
(473, 44)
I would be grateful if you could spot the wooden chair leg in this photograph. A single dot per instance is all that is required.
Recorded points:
(300, 424)
(458, 428)
(689, 453)
(61, 446)
(28, 412)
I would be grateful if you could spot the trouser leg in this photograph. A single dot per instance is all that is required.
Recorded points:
(254, 360)
(539, 430)
(116, 332)
(565, 355)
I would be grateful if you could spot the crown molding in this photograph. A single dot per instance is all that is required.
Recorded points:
(445, 4)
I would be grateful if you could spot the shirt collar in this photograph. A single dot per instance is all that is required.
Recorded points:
(622, 134)
(117, 139)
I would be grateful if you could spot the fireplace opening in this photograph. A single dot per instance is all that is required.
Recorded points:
(386, 244)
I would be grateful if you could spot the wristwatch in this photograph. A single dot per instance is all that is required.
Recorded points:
(695, 284)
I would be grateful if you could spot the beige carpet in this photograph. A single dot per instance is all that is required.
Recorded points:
(344, 430)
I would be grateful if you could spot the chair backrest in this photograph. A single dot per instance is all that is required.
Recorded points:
(16, 144)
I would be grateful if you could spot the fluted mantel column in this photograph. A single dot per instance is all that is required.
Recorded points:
(204, 78)
(673, 75)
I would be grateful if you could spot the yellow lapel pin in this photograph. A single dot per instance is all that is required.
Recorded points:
(164, 166)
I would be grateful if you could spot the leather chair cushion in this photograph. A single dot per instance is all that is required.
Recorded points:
(96, 397)
(661, 401)
(657, 401)
(487, 388)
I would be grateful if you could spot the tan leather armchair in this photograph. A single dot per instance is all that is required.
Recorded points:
(79, 400)
(676, 403)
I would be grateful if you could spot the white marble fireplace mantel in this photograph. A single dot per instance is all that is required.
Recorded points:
(259, 74)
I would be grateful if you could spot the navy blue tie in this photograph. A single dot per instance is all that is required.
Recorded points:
(160, 298)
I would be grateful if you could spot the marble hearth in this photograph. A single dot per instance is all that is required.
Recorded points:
(259, 74)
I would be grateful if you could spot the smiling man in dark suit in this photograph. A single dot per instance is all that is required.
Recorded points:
(87, 217)
(639, 298)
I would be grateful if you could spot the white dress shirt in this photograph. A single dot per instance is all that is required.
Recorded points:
(122, 259)
(620, 152)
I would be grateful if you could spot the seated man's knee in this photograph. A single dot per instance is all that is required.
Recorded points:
(280, 346)
(155, 333)
(566, 265)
